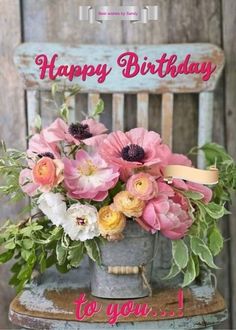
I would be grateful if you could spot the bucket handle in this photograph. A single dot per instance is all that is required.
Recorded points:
(131, 270)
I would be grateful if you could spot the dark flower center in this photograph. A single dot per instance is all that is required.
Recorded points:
(133, 153)
(46, 154)
(79, 131)
(81, 221)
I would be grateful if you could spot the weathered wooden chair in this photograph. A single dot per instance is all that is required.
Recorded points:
(50, 304)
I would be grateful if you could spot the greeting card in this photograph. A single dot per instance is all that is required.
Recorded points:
(117, 164)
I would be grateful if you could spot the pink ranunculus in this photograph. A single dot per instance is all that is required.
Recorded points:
(168, 217)
(48, 173)
(134, 149)
(142, 185)
(89, 177)
(89, 131)
(44, 175)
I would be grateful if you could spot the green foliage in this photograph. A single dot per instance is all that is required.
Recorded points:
(39, 244)
(11, 164)
(216, 154)
(204, 239)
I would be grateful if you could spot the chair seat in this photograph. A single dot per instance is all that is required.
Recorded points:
(50, 305)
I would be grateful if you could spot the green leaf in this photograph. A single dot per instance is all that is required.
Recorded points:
(214, 153)
(200, 249)
(51, 260)
(189, 273)
(10, 245)
(32, 259)
(54, 89)
(14, 280)
(38, 122)
(25, 272)
(180, 253)
(75, 254)
(27, 243)
(25, 254)
(195, 196)
(64, 112)
(6, 256)
(54, 236)
(216, 241)
(74, 90)
(61, 253)
(196, 263)
(29, 229)
(62, 268)
(65, 241)
(93, 250)
(174, 270)
(16, 267)
(42, 261)
(99, 108)
(214, 210)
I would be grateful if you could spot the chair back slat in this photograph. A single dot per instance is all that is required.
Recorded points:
(142, 110)
(118, 111)
(167, 118)
(33, 108)
(205, 122)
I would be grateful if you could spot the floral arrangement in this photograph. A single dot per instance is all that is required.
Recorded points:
(86, 184)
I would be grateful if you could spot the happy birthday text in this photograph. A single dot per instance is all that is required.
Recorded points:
(130, 65)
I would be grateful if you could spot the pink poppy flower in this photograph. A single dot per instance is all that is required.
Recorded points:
(89, 131)
(38, 145)
(178, 159)
(89, 177)
(134, 149)
(166, 216)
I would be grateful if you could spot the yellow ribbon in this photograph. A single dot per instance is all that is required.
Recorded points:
(210, 176)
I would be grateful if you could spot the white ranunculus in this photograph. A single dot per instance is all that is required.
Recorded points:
(53, 206)
(82, 222)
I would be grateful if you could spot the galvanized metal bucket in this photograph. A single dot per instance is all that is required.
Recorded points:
(135, 252)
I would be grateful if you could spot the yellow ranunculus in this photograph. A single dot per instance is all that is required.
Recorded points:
(128, 204)
(110, 221)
